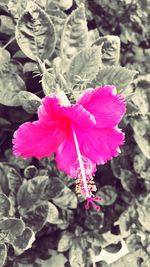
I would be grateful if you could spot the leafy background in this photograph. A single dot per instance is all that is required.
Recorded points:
(74, 45)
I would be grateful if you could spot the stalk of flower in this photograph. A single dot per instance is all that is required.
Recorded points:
(82, 134)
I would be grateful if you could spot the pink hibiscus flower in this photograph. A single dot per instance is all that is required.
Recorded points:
(82, 135)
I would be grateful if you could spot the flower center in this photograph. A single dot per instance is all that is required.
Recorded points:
(84, 177)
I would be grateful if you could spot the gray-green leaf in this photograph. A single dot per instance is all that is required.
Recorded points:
(84, 64)
(24, 241)
(35, 33)
(4, 205)
(37, 216)
(75, 33)
(65, 241)
(29, 101)
(10, 85)
(31, 191)
(3, 254)
(121, 77)
(110, 49)
(14, 226)
(108, 194)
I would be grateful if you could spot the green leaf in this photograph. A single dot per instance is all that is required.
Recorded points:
(7, 25)
(3, 254)
(84, 64)
(110, 49)
(24, 241)
(55, 260)
(126, 219)
(14, 179)
(66, 199)
(113, 248)
(4, 187)
(53, 215)
(31, 191)
(35, 33)
(10, 85)
(13, 226)
(65, 241)
(58, 20)
(76, 255)
(48, 83)
(121, 77)
(133, 242)
(94, 220)
(128, 180)
(54, 188)
(29, 101)
(19, 162)
(143, 215)
(4, 58)
(30, 171)
(37, 216)
(108, 194)
(4, 205)
(75, 34)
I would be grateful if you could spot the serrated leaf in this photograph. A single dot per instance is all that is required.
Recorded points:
(29, 101)
(108, 194)
(4, 205)
(36, 217)
(121, 77)
(3, 254)
(84, 64)
(23, 242)
(110, 49)
(35, 33)
(13, 226)
(31, 191)
(58, 18)
(65, 241)
(48, 83)
(75, 33)
(10, 85)
(17, 7)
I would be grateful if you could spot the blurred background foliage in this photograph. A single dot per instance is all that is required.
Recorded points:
(42, 223)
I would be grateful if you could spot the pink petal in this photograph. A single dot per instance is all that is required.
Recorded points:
(52, 110)
(100, 145)
(37, 139)
(66, 157)
(107, 107)
(67, 161)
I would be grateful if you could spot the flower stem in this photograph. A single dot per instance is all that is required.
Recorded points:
(81, 164)
(9, 42)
